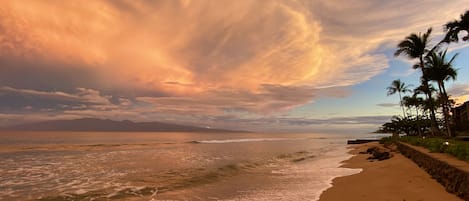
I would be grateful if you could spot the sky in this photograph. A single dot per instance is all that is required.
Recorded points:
(278, 65)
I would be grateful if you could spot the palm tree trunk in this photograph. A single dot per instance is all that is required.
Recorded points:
(418, 121)
(434, 124)
(446, 108)
(434, 128)
(402, 106)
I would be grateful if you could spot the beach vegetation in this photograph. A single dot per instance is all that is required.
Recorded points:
(411, 125)
(387, 141)
(427, 112)
(456, 148)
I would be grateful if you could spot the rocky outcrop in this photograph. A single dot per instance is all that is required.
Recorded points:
(452, 175)
(377, 154)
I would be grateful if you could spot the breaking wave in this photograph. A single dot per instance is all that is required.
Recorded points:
(246, 140)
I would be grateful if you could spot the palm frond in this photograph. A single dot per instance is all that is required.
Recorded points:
(453, 28)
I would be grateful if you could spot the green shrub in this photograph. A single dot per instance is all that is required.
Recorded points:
(387, 140)
(435, 145)
(459, 149)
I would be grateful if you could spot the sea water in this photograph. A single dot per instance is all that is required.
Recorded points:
(169, 166)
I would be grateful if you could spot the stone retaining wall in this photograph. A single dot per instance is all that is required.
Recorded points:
(454, 179)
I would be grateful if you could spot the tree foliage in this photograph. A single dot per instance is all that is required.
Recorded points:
(455, 27)
(421, 117)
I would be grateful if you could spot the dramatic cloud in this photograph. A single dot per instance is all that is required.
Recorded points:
(51, 100)
(131, 59)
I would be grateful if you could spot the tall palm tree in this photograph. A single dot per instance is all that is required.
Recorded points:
(415, 47)
(453, 28)
(439, 70)
(398, 87)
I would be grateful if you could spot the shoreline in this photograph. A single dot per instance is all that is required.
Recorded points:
(397, 178)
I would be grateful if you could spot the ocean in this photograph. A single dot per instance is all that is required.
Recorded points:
(146, 166)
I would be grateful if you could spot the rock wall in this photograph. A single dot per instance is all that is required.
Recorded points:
(454, 179)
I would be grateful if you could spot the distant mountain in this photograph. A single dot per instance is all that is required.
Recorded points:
(91, 124)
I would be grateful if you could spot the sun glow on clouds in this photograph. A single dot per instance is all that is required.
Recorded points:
(181, 47)
(459, 93)
(202, 57)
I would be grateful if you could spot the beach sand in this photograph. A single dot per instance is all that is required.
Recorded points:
(395, 179)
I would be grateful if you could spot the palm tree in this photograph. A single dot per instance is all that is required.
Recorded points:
(416, 46)
(398, 87)
(415, 102)
(455, 27)
(439, 70)
(422, 90)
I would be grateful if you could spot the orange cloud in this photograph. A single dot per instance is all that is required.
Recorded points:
(200, 45)
(256, 56)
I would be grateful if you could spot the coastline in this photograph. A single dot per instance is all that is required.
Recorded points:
(397, 178)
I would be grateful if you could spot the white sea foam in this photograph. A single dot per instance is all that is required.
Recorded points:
(305, 181)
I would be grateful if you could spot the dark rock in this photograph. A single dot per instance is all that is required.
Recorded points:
(372, 150)
(381, 155)
(378, 154)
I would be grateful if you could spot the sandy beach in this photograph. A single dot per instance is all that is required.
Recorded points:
(395, 179)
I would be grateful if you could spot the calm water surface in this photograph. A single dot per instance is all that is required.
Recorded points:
(168, 166)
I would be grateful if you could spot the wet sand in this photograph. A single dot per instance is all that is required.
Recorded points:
(395, 179)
